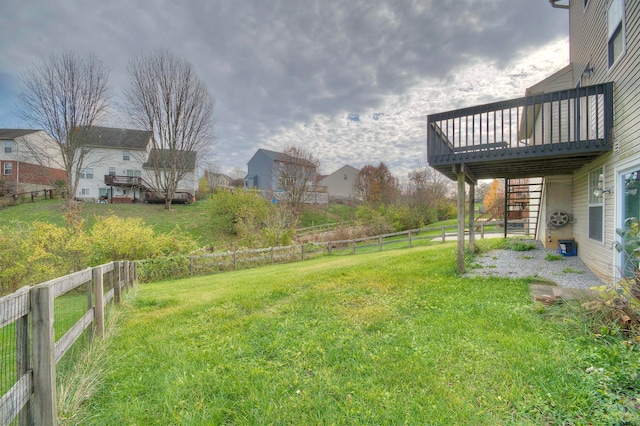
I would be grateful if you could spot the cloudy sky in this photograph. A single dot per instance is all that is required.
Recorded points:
(350, 80)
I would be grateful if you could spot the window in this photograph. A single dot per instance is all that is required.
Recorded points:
(85, 191)
(112, 171)
(8, 147)
(346, 176)
(86, 173)
(134, 173)
(7, 169)
(596, 204)
(615, 31)
(103, 192)
(126, 156)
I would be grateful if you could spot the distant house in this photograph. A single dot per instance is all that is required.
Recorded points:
(264, 174)
(339, 184)
(218, 180)
(122, 166)
(29, 161)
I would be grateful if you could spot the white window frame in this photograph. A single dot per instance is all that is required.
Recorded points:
(86, 173)
(112, 171)
(7, 169)
(8, 147)
(126, 156)
(595, 180)
(615, 25)
(85, 192)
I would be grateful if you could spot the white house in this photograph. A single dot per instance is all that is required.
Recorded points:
(120, 166)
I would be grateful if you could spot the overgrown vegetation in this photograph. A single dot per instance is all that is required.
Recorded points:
(384, 338)
(37, 252)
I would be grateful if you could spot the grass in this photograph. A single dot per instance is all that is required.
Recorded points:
(194, 219)
(553, 257)
(385, 338)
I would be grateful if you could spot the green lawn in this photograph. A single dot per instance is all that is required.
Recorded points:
(194, 218)
(385, 338)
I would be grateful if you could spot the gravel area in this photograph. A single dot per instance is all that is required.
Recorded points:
(570, 271)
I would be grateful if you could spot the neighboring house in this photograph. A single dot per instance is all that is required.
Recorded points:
(113, 168)
(120, 166)
(339, 184)
(264, 170)
(160, 162)
(29, 161)
(218, 181)
(577, 130)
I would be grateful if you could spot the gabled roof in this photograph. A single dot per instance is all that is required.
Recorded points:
(161, 159)
(284, 158)
(15, 133)
(108, 137)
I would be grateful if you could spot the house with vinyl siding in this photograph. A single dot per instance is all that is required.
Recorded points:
(29, 161)
(577, 131)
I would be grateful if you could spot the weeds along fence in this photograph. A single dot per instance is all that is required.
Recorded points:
(23, 197)
(42, 323)
(211, 263)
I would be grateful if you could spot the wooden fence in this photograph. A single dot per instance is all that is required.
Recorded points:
(235, 260)
(27, 337)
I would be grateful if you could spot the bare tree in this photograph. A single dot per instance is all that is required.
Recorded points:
(166, 96)
(65, 95)
(296, 172)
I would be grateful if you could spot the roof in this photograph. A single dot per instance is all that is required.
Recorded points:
(282, 157)
(15, 133)
(108, 137)
(162, 157)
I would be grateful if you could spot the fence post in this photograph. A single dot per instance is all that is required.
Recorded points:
(44, 356)
(409, 239)
(443, 234)
(235, 260)
(191, 266)
(90, 285)
(23, 359)
(127, 277)
(115, 282)
(272, 255)
(354, 246)
(301, 251)
(379, 243)
(98, 308)
(482, 230)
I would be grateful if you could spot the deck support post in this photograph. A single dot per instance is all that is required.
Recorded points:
(464, 176)
(472, 225)
(461, 204)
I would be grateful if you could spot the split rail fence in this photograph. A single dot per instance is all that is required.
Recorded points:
(40, 324)
(244, 259)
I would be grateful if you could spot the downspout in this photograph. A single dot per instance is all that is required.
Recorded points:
(558, 6)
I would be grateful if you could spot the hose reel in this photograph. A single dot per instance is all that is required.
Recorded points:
(558, 219)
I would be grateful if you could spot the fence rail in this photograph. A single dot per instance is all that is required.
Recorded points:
(244, 259)
(28, 328)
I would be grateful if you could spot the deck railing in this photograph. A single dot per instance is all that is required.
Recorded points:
(115, 180)
(576, 118)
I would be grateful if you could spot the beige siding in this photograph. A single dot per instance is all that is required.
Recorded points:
(588, 34)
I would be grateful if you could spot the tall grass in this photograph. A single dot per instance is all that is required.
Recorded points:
(385, 338)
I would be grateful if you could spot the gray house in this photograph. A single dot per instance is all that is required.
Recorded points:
(282, 177)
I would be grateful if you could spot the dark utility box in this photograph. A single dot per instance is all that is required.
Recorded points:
(567, 248)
